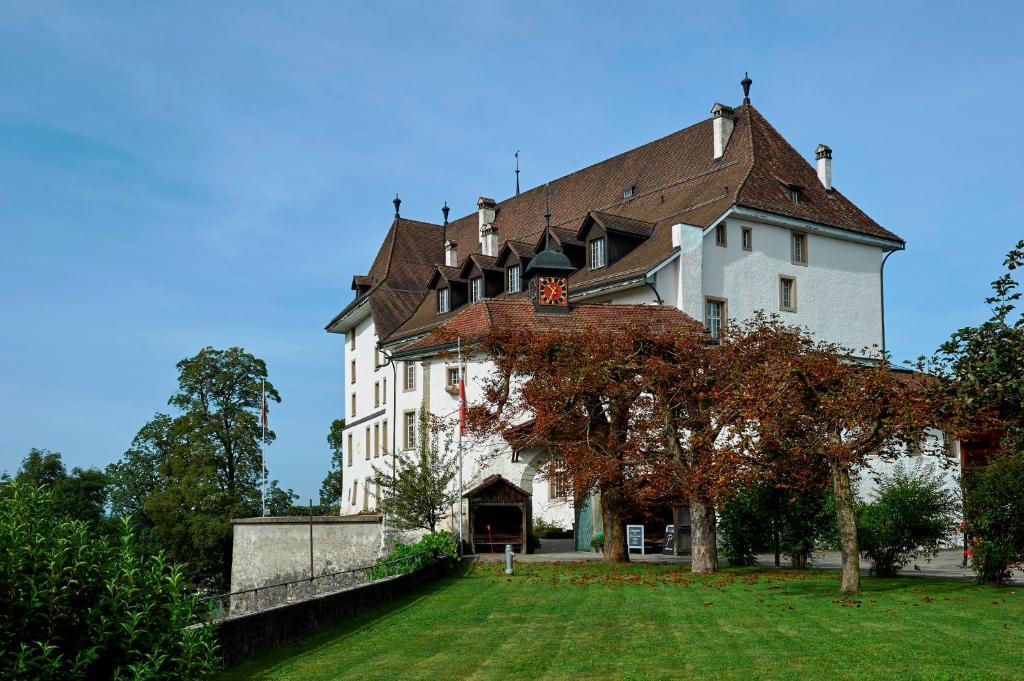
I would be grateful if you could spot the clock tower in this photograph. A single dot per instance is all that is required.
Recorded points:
(548, 273)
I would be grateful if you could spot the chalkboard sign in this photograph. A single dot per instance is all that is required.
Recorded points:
(635, 537)
(670, 540)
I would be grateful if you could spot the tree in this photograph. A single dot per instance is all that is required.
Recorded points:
(82, 494)
(909, 516)
(418, 493)
(81, 605)
(994, 514)
(188, 475)
(596, 416)
(816, 409)
(333, 487)
(985, 363)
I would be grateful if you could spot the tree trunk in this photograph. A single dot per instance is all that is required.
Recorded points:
(703, 538)
(614, 534)
(847, 519)
(799, 561)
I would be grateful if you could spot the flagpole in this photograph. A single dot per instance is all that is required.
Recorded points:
(263, 447)
(462, 412)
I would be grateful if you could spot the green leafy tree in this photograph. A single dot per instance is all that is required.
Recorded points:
(81, 605)
(908, 517)
(81, 494)
(187, 476)
(419, 493)
(333, 487)
(986, 362)
(994, 514)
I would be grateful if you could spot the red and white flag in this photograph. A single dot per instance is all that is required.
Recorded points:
(462, 403)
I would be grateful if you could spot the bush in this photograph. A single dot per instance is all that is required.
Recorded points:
(745, 526)
(597, 543)
(546, 530)
(748, 522)
(429, 548)
(908, 518)
(82, 606)
(994, 514)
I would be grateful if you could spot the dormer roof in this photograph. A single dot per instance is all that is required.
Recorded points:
(616, 224)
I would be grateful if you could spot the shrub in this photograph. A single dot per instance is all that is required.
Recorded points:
(749, 520)
(429, 548)
(545, 529)
(908, 517)
(597, 543)
(744, 526)
(994, 513)
(82, 606)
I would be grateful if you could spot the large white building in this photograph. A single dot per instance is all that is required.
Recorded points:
(719, 220)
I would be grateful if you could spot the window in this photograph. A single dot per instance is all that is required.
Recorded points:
(794, 195)
(352, 371)
(366, 447)
(409, 440)
(787, 294)
(384, 393)
(628, 192)
(453, 377)
(410, 376)
(476, 292)
(714, 316)
(376, 441)
(376, 357)
(384, 436)
(350, 449)
(443, 301)
(598, 257)
(352, 339)
(799, 248)
(352, 410)
(720, 235)
(355, 491)
(558, 485)
(514, 283)
(366, 495)
(748, 239)
(376, 394)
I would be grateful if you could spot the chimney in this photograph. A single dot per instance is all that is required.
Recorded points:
(824, 156)
(723, 121)
(486, 209)
(451, 257)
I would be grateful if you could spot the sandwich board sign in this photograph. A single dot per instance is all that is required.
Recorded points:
(635, 538)
(670, 540)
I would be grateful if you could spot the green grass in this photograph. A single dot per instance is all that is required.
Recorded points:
(643, 621)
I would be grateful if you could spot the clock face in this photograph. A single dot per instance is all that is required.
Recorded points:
(553, 291)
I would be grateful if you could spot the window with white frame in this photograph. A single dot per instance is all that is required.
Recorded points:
(376, 440)
(409, 437)
(366, 443)
(748, 239)
(787, 294)
(714, 316)
(352, 409)
(384, 436)
(476, 289)
(376, 394)
(352, 371)
(410, 376)
(453, 377)
(514, 283)
(350, 449)
(598, 254)
(443, 301)
(799, 248)
(559, 486)
(384, 392)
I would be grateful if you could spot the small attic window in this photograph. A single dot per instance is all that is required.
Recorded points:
(628, 191)
(794, 194)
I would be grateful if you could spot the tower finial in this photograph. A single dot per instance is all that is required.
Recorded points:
(517, 172)
(398, 202)
(444, 210)
(746, 82)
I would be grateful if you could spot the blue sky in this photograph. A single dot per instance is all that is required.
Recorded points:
(190, 174)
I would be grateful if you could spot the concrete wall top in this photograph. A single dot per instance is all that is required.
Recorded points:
(305, 520)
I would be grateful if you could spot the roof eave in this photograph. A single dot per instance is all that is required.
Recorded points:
(812, 227)
(354, 312)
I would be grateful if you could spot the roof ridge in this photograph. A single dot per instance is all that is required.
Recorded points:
(753, 159)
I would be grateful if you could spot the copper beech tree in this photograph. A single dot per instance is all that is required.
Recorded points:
(584, 395)
(814, 408)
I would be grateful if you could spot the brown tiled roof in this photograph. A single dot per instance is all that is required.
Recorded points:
(485, 262)
(507, 313)
(675, 179)
(447, 273)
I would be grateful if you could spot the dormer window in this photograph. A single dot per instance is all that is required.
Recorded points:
(514, 279)
(794, 194)
(476, 289)
(598, 256)
(443, 300)
(628, 192)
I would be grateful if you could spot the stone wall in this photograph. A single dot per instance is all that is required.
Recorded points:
(273, 550)
(249, 635)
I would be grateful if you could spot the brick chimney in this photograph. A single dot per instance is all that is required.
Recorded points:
(486, 210)
(824, 156)
(723, 121)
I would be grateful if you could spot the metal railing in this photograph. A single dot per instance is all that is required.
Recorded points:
(248, 601)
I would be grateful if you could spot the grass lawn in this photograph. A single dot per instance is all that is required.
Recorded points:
(643, 621)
